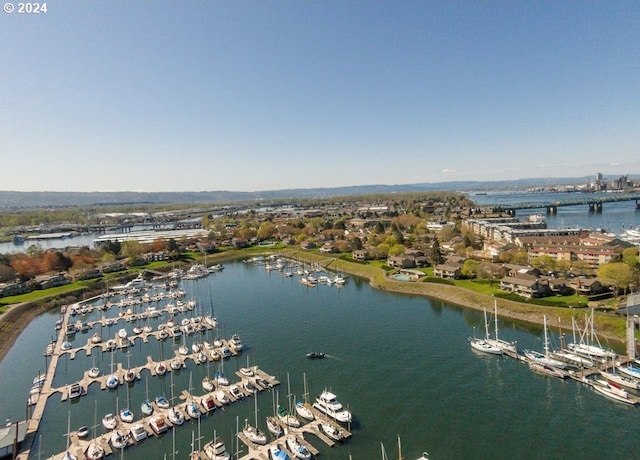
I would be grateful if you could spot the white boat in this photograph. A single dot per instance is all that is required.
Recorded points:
(303, 411)
(74, 391)
(629, 370)
(175, 416)
(119, 440)
(68, 455)
(588, 344)
(330, 431)
(208, 402)
(544, 359)
(138, 433)
(273, 426)
(192, 410)
(614, 392)
(221, 396)
(547, 370)
(162, 402)
(621, 380)
(94, 451)
(509, 347)
(126, 415)
(483, 346)
(160, 368)
(158, 424)
(215, 450)
(207, 384)
(297, 449)
(112, 381)
(328, 404)
(235, 343)
(94, 372)
(236, 392)
(276, 453)
(122, 333)
(109, 421)
(253, 434)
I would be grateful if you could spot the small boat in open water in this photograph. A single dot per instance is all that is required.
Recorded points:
(315, 355)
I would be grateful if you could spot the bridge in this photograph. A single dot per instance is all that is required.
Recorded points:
(595, 204)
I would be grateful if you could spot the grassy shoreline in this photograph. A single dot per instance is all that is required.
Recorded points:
(17, 316)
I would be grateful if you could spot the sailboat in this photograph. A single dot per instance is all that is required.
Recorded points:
(253, 433)
(589, 345)
(94, 450)
(482, 345)
(174, 415)
(68, 455)
(126, 415)
(544, 359)
(301, 406)
(272, 422)
(112, 380)
(146, 407)
(192, 408)
(509, 347)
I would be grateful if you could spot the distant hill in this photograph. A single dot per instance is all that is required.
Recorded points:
(12, 199)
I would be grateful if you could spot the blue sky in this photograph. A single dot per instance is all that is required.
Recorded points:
(172, 95)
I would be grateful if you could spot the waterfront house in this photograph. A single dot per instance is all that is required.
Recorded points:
(587, 286)
(525, 286)
(447, 271)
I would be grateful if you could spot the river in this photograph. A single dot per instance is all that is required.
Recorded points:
(402, 364)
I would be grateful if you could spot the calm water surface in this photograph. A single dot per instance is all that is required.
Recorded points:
(402, 364)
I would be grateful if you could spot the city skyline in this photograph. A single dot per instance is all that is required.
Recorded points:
(256, 95)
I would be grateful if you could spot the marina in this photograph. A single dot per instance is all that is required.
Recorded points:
(385, 359)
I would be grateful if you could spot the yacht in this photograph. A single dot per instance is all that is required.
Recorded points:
(235, 342)
(215, 450)
(158, 424)
(328, 404)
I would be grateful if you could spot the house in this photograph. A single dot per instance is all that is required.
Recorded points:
(520, 270)
(401, 261)
(447, 271)
(587, 286)
(360, 254)
(328, 248)
(528, 287)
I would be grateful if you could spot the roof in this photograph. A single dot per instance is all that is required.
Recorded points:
(8, 434)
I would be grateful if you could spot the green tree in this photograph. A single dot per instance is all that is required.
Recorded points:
(616, 274)
(435, 255)
(356, 243)
(470, 268)
(396, 250)
(544, 262)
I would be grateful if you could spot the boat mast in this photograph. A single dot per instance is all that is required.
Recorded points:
(496, 318)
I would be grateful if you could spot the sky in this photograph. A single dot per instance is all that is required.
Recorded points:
(248, 95)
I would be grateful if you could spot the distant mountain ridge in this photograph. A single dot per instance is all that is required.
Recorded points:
(14, 199)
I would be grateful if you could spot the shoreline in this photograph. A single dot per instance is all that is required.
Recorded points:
(18, 316)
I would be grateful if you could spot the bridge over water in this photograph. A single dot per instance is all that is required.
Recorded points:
(594, 204)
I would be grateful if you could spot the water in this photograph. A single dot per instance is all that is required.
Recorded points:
(614, 218)
(402, 364)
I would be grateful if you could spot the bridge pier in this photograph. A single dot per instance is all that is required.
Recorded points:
(595, 207)
(553, 209)
(637, 204)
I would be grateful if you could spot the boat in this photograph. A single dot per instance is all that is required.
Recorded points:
(614, 392)
(303, 411)
(328, 404)
(207, 384)
(146, 407)
(75, 391)
(508, 347)
(621, 380)
(276, 453)
(315, 355)
(287, 418)
(297, 449)
(589, 345)
(83, 432)
(94, 372)
(160, 368)
(94, 451)
(158, 424)
(273, 426)
(112, 381)
(109, 421)
(138, 433)
(483, 345)
(208, 402)
(68, 455)
(175, 416)
(221, 396)
(119, 440)
(122, 333)
(330, 430)
(235, 343)
(545, 359)
(547, 370)
(215, 449)
(126, 415)
(192, 410)
(236, 392)
(162, 402)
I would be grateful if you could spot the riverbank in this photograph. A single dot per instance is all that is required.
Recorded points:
(609, 328)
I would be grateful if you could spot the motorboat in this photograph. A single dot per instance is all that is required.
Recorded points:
(138, 433)
(225, 352)
(328, 404)
(315, 355)
(109, 421)
(236, 392)
(208, 402)
(75, 391)
(222, 397)
(297, 449)
(235, 343)
(246, 371)
(122, 333)
(276, 453)
(331, 431)
(158, 424)
(215, 450)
